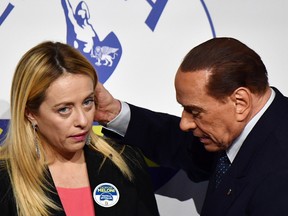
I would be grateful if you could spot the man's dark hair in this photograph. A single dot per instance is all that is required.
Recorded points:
(231, 64)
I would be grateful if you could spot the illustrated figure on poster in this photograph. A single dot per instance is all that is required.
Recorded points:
(83, 29)
(81, 34)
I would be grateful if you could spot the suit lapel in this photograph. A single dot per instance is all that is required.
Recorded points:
(53, 195)
(98, 173)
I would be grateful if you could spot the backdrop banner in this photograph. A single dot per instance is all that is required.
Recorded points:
(136, 47)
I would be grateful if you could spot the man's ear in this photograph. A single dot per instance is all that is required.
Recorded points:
(30, 116)
(242, 98)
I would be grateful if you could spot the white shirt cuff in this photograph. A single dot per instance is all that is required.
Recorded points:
(120, 123)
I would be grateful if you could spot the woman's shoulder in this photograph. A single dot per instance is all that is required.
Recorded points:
(134, 153)
(131, 154)
(7, 201)
(4, 175)
(4, 180)
(3, 169)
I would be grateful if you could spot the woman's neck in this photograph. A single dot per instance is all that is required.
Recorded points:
(69, 172)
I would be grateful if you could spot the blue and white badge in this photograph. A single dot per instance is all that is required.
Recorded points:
(106, 195)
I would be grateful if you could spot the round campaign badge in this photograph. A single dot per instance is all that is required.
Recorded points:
(106, 195)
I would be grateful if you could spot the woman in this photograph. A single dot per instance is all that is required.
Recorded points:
(51, 161)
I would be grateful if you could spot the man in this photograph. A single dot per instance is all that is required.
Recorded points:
(229, 109)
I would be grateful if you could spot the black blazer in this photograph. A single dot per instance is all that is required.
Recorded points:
(257, 181)
(136, 198)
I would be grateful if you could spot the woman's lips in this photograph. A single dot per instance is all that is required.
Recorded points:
(79, 137)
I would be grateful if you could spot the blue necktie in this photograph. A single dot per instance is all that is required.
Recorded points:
(222, 166)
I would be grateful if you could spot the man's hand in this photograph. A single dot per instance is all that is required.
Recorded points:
(107, 107)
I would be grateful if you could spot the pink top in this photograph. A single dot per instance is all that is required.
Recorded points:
(77, 201)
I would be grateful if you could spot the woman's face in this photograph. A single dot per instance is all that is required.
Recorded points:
(66, 115)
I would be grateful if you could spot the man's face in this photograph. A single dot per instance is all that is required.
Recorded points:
(213, 121)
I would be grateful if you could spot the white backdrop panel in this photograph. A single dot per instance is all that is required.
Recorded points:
(145, 71)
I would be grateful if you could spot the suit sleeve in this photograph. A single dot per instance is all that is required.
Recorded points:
(159, 136)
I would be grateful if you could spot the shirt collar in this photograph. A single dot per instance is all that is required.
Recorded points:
(236, 145)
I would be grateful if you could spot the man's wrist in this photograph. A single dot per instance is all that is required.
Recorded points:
(117, 107)
(120, 123)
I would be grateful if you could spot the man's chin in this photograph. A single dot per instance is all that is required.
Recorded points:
(211, 147)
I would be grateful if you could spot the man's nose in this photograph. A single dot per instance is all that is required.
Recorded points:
(187, 122)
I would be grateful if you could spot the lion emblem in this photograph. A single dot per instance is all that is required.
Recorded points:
(104, 55)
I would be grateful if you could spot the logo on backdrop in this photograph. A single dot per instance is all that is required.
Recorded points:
(3, 128)
(6, 12)
(105, 54)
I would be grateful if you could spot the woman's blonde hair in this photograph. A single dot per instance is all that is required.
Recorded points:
(37, 69)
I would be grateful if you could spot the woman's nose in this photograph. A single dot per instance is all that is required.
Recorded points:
(81, 119)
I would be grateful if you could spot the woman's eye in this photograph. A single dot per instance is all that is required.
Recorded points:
(89, 102)
(63, 110)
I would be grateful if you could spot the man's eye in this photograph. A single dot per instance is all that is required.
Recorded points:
(195, 113)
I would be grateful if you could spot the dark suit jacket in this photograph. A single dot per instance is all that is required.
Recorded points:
(136, 198)
(257, 181)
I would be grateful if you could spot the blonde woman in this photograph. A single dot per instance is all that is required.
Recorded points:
(51, 161)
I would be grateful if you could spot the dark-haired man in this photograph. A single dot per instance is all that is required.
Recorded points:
(229, 110)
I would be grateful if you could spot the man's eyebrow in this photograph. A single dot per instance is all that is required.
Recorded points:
(193, 107)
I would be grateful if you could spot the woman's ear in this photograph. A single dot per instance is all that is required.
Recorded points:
(30, 116)
(243, 103)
